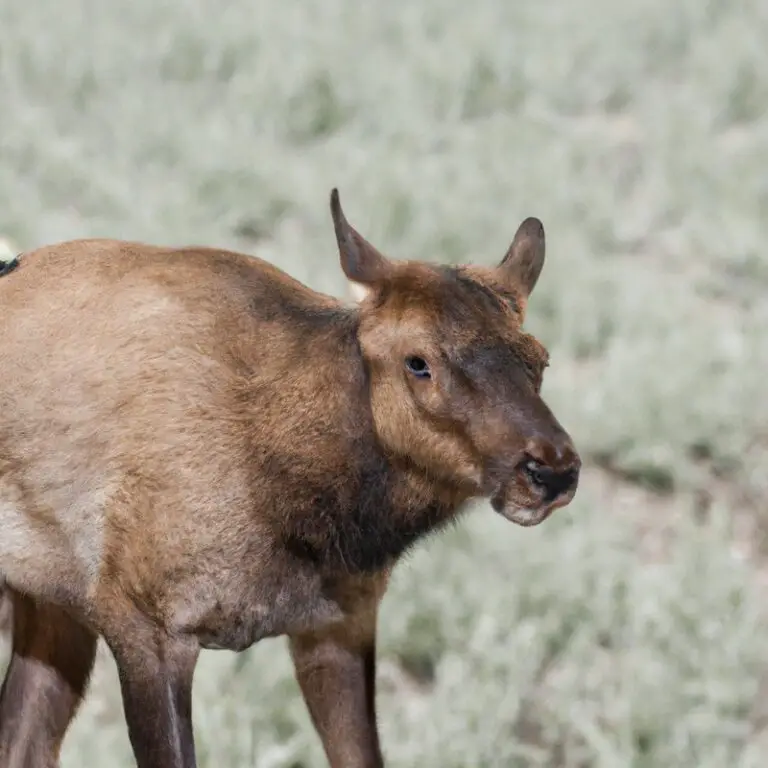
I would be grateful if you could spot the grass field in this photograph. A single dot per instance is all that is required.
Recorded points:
(629, 630)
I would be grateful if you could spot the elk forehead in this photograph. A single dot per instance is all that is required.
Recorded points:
(456, 308)
(456, 293)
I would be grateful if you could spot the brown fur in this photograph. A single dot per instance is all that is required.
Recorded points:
(198, 451)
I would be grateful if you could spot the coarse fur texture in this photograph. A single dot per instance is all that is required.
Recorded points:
(198, 451)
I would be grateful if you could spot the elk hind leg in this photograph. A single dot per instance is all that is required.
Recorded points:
(51, 661)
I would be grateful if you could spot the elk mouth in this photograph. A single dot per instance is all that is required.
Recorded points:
(525, 516)
(524, 501)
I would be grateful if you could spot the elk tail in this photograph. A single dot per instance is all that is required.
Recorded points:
(8, 259)
(8, 266)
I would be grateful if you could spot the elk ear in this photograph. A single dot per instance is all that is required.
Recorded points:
(525, 257)
(363, 265)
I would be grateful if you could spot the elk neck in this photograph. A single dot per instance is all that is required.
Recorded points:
(344, 504)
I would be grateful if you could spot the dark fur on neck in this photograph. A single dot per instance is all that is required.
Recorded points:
(366, 527)
(337, 500)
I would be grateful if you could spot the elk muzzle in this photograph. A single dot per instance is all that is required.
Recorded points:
(543, 479)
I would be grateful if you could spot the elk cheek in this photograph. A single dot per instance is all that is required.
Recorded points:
(429, 398)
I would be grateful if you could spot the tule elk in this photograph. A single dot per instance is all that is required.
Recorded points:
(198, 451)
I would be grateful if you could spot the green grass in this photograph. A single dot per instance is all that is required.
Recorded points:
(638, 132)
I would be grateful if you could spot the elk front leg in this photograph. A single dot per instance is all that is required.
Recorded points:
(337, 675)
(156, 672)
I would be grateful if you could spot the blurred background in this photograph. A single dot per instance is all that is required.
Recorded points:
(630, 629)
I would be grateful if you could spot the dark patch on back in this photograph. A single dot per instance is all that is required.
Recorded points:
(294, 315)
(276, 297)
(7, 267)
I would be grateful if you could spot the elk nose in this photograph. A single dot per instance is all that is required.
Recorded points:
(552, 467)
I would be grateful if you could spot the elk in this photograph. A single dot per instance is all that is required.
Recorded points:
(198, 451)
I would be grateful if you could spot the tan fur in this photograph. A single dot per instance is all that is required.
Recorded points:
(196, 450)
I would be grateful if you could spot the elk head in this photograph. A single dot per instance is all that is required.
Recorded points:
(455, 382)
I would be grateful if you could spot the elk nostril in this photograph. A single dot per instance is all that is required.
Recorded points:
(554, 483)
(535, 471)
(568, 479)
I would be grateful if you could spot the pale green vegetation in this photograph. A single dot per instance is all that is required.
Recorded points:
(629, 630)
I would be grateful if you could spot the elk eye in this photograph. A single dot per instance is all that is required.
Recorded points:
(418, 367)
